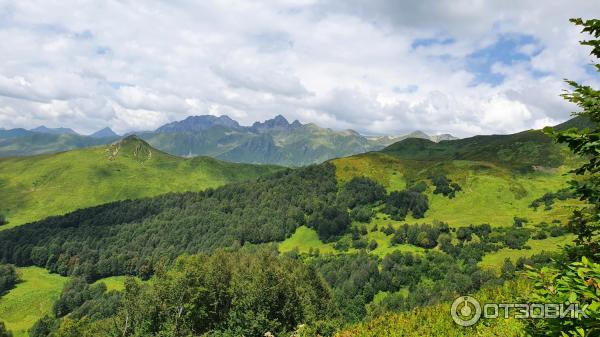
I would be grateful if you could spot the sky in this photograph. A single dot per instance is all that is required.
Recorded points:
(379, 67)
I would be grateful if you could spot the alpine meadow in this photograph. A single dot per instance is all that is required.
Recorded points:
(439, 176)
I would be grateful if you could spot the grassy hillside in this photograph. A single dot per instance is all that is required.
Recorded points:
(491, 193)
(33, 298)
(32, 188)
(519, 151)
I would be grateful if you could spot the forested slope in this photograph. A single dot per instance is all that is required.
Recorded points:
(32, 188)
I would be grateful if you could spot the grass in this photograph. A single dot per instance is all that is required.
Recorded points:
(384, 245)
(31, 299)
(491, 193)
(552, 244)
(32, 188)
(305, 239)
(116, 283)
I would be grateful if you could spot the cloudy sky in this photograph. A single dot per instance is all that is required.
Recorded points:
(379, 67)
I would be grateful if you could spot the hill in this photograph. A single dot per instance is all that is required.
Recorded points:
(274, 141)
(464, 219)
(35, 187)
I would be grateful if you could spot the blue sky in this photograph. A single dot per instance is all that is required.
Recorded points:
(506, 50)
(379, 67)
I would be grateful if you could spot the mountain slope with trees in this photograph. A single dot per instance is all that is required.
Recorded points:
(32, 188)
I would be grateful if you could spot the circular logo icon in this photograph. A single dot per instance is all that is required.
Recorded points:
(465, 311)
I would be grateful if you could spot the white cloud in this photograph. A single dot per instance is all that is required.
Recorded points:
(341, 64)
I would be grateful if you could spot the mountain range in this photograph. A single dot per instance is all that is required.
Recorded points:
(274, 141)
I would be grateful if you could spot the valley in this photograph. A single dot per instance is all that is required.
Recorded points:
(478, 209)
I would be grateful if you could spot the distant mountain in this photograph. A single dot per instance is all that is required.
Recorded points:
(274, 141)
(14, 133)
(54, 131)
(20, 142)
(442, 137)
(389, 140)
(104, 133)
(198, 123)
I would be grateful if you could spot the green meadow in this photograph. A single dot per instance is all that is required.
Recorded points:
(32, 188)
(490, 193)
(31, 299)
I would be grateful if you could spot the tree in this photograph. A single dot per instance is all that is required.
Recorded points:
(578, 281)
(8, 277)
(361, 191)
(3, 331)
(585, 222)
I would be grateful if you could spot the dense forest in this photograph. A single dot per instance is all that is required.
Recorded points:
(244, 293)
(129, 237)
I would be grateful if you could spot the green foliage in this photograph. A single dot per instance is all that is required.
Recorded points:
(129, 237)
(400, 203)
(362, 214)
(8, 278)
(578, 283)
(519, 222)
(548, 199)
(424, 279)
(330, 223)
(423, 235)
(361, 191)
(3, 331)
(225, 294)
(33, 188)
(80, 299)
(3, 220)
(31, 299)
(445, 186)
(44, 327)
(586, 144)
(519, 152)
(435, 320)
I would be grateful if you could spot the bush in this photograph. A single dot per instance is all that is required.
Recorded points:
(575, 283)
(3, 220)
(540, 235)
(400, 203)
(445, 186)
(519, 222)
(419, 187)
(361, 191)
(8, 277)
(3, 331)
(556, 231)
(360, 244)
(330, 223)
(373, 245)
(361, 214)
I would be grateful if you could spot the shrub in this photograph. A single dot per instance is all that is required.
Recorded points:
(361, 191)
